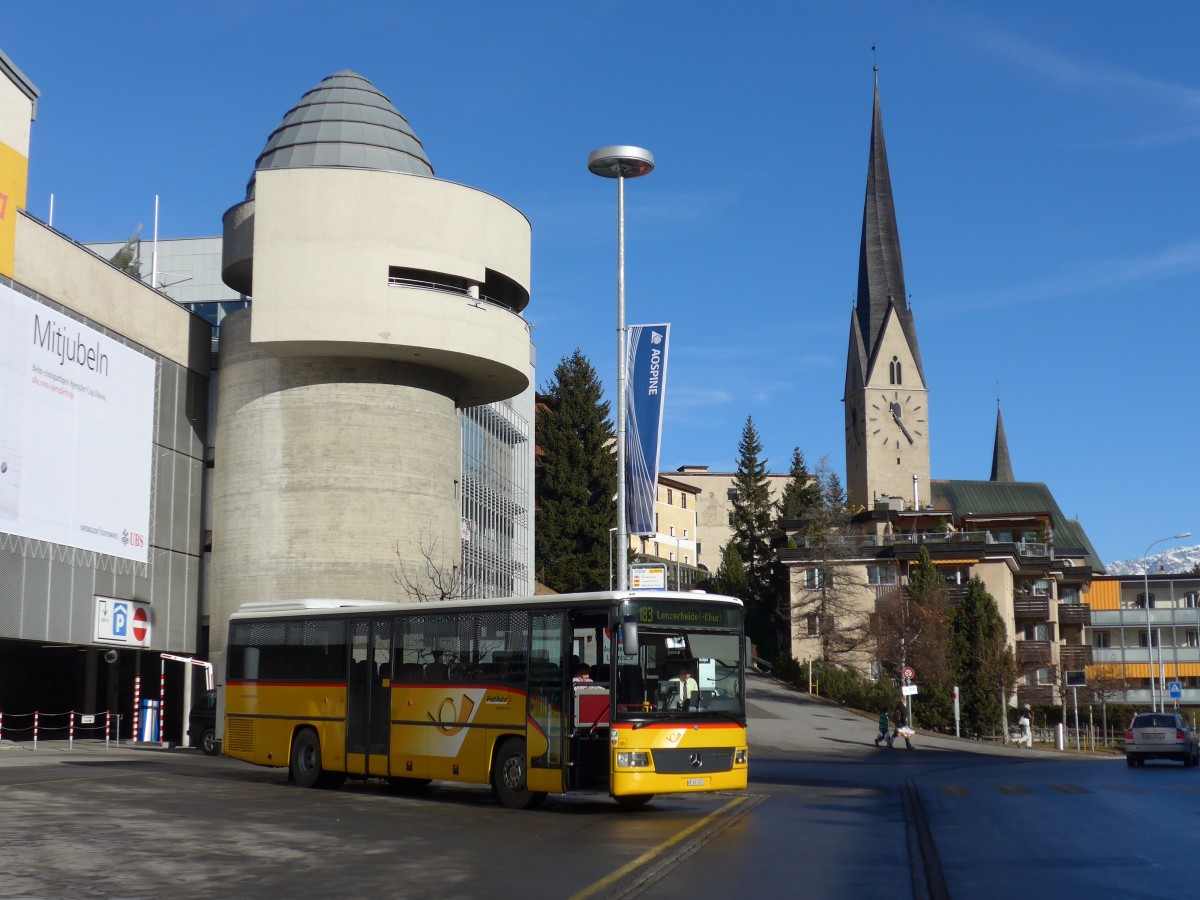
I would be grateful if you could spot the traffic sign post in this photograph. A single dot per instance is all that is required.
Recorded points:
(1175, 691)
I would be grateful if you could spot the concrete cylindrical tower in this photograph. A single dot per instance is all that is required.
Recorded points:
(382, 300)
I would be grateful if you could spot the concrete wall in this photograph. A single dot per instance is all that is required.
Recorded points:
(323, 242)
(324, 466)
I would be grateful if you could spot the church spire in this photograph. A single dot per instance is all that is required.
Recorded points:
(880, 268)
(1001, 462)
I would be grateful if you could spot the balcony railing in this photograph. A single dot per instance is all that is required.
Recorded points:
(1074, 656)
(1035, 694)
(1074, 614)
(1029, 605)
(1033, 652)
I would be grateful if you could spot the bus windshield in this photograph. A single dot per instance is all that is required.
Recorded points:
(687, 661)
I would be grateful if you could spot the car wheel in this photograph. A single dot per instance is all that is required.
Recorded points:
(208, 741)
(1130, 761)
(509, 776)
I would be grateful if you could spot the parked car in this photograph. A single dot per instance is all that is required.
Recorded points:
(1161, 735)
(202, 723)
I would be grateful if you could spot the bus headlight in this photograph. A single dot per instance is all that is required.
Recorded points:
(739, 758)
(634, 759)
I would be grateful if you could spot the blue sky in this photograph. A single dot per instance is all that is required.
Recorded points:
(1043, 160)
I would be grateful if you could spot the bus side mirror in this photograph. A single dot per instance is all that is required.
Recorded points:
(629, 637)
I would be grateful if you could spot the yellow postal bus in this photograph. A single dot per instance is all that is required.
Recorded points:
(493, 692)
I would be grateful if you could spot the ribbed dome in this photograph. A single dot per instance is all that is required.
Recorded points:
(343, 122)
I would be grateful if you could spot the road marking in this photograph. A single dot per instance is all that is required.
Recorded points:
(955, 790)
(1013, 790)
(650, 854)
(14, 784)
(1070, 789)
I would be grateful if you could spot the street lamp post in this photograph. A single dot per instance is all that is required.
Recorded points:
(1146, 606)
(611, 531)
(621, 163)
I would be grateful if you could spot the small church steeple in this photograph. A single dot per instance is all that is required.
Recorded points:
(1001, 461)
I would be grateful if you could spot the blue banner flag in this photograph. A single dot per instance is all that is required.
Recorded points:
(645, 389)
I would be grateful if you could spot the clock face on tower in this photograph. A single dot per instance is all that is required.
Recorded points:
(897, 418)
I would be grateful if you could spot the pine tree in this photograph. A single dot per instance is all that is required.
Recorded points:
(752, 523)
(801, 495)
(576, 479)
(731, 574)
(982, 660)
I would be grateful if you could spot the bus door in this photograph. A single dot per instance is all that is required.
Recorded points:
(549, 703)
(369, 697)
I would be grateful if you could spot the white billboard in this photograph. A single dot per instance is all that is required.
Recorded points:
(76, 432)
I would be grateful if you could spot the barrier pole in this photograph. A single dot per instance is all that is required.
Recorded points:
(137, 701)
(35, 729)
(107, 726)
(162, 695)
(71, 730)
(1, 725)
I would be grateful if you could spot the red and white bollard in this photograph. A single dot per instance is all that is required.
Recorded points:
(71, 730)
(137, 702)
(107, 727)
(35, 729)
(162, 696)
(1, 724)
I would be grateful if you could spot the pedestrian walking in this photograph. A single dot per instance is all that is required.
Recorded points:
(883, 726)
(1025, 720)
(900, 718)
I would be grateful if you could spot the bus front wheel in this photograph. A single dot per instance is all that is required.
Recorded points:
(509, 777)
(306, 759)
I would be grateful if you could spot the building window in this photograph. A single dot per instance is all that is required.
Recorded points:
(894, 371)
(1193, 638)
(670, 496)
(1154, 638)
(685, 534)
(1100, 639)
(671, 555)
(687, 560)
(1042, 675)
(881, 575)
(643, 545)
(1191, 600)
(672, 527)
(682, 500)
(1038, 631)
(698, 545)
(814, 578)
(731, 495)
(816, 622)
(1068, 595)
(1140, 602)
(656, 548)
(656, 525)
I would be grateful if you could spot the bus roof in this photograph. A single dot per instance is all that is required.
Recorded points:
(266, 608)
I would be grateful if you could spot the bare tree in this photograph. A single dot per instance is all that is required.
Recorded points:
(829, 605)
(1106, 681)
(432, 582)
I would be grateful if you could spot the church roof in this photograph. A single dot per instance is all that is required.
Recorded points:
(1001, 462)
(344, 122)
(880, 267)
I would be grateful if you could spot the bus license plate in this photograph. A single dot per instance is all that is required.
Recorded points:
(695, 782)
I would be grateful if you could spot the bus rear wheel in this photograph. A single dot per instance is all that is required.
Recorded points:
(634, 801)
(509, 777)
(306, 759)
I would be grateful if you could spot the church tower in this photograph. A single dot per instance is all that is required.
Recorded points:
(887, 402)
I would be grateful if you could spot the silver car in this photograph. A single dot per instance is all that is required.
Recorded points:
(1162, 735)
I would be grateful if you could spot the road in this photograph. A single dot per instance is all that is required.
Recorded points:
(827, 815)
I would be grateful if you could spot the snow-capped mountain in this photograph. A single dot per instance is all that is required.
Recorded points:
(1179, 561)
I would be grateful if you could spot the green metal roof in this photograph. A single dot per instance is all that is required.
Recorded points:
(1014, 498)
